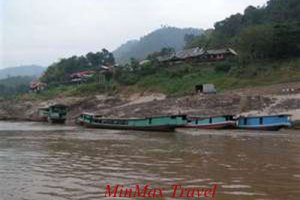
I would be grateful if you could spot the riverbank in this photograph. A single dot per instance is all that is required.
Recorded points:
(275, 99)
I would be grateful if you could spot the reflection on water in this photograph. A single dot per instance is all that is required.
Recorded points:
(40, 162)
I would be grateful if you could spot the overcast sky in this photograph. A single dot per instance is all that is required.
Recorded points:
(43, 31)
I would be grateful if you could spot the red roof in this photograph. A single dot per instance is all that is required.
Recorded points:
(82, 74)
(37, 84)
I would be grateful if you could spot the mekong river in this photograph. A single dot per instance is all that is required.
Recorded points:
(39, 161)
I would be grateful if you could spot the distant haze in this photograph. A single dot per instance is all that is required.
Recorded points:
(42, 31)
(31, 70)
(166, 37)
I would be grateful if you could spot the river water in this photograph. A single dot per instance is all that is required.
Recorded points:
(39, 161)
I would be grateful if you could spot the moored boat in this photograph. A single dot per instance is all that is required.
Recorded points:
(269, 122)
(161, 123)
(57, 113)
(86, 118)
(43, 114)
(296, 124)
(217, 122)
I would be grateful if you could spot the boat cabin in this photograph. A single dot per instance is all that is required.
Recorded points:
(152, 121)
(43, 114)
(161, 123)
(211, 120)
(57, 113)
(88, 117)
(217, 122)
(265, 122)
(177, 120)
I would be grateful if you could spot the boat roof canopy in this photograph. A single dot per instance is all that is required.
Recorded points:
(154, 117)
(258, 116)
(195, 117)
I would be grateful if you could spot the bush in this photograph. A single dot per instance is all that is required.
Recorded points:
(223, 67)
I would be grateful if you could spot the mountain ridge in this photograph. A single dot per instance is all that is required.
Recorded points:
(154, 41)
(23, 70)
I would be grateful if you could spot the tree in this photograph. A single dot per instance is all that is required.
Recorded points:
(163, 52)
(255, 42)
(60, 72)
(286, 41)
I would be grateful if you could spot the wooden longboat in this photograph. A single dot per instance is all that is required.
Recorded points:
(217, 122)
(296, 124)
(269, 122)
(43, 114)
(161, 123)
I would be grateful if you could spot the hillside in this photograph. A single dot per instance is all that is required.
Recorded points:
(180, 80)
(260, 33)
(266, 39)
(25, 70)
(15, 85)
(154, 41)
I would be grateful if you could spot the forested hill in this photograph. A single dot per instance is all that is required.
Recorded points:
(153, 42)
(28, 70)
(268, 32)
(267, 40)
(15, 85)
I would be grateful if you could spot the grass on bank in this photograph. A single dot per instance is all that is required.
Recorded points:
(181, 79)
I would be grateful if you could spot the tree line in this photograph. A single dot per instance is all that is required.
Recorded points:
(60, 71)
(15, 85)
(268, 32)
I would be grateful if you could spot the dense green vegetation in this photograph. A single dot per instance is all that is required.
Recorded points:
(14, 85)
(181, 79)
(59, 72)
(269, 32)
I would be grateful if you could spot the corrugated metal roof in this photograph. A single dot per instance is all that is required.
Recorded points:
(221, 51)
(195, 52)
(188, 53)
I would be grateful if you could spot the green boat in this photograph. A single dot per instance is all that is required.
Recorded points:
(43, 114)
(161, 123)
(57, 113)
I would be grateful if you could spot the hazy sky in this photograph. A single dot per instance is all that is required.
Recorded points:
(42, 31)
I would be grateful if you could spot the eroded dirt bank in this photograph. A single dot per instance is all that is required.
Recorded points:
(283, 98)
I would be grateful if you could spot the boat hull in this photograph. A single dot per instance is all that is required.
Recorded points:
(296, 124)
(264, 128)
(225, 125)
(161, 128)
(57, 121)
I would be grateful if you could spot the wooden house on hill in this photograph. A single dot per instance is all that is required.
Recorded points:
(198, 55)
(37, 86)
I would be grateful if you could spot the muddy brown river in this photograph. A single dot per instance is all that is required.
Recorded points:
(39, 161)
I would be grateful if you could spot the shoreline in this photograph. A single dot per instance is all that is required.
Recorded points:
(250, 101)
